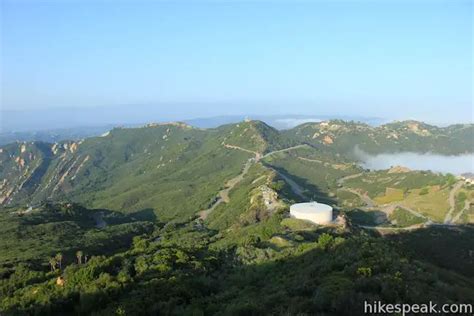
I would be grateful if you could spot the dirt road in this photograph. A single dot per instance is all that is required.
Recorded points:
(452, 202)
(285, 149)
(364, 197)
(223, 195)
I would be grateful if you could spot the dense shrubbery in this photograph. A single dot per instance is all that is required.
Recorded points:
(271, 269)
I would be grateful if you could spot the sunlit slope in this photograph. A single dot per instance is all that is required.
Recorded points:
(162, 255)
(411, 136)
(256, 136)
(177, 170)
(171, 168)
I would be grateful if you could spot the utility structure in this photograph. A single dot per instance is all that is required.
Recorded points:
(315, 212)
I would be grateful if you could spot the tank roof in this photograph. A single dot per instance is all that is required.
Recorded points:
(310, 207)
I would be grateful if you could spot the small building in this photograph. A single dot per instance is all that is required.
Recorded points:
(315, 212)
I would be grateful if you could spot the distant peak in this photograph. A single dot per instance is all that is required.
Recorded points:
(398, 169)
(177, 124)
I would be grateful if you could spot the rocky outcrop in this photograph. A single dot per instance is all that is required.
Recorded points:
(398, 169)
(328, 140)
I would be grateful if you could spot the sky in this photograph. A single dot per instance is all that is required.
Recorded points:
(390, 59)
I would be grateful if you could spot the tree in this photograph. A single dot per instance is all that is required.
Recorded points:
(424, 191)
(53, 262)
(59, 258)
(325, 240)
(79, 255)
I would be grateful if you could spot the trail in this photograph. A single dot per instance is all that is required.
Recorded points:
(223, 195)
(295, 187)
(257, 154)
(352, 176)
(285, 149)
(452, 202)
(364, 197)
(387, 209)
(311, 160)
(385, 230)
(412, 211)
(456, 218)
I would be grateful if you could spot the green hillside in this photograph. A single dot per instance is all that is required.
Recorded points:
(33, 234)
(411, 136)
(176, 220)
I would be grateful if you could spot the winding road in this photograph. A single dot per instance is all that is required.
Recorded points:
(387, 209)
(352, 176)
(295, 187)
(284, 150)
(223, 195)
(364, 197)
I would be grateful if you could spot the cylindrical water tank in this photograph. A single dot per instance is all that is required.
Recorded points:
(315, 212)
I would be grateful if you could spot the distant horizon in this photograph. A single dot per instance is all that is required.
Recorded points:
(206, 59)
(19, 123)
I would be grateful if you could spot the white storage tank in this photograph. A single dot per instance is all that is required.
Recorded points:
(312, 211)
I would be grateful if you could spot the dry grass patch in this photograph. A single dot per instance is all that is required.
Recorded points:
(433, 204)
(391, 195)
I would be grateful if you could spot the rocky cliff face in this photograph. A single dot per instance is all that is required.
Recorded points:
(28, 169)
(111, 168)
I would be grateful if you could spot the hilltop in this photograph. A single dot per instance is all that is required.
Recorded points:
(411, 136)
(122, 168)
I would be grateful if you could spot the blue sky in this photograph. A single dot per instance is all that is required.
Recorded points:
(393, 59)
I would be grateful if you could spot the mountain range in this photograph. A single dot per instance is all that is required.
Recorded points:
(179, 220)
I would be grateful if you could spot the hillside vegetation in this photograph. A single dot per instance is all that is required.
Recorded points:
(411, 136)
(168, 219)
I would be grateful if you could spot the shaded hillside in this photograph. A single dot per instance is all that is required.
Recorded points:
(31, 235)
(275, 270)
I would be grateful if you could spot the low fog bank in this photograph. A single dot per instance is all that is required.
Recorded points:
(437, 163)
